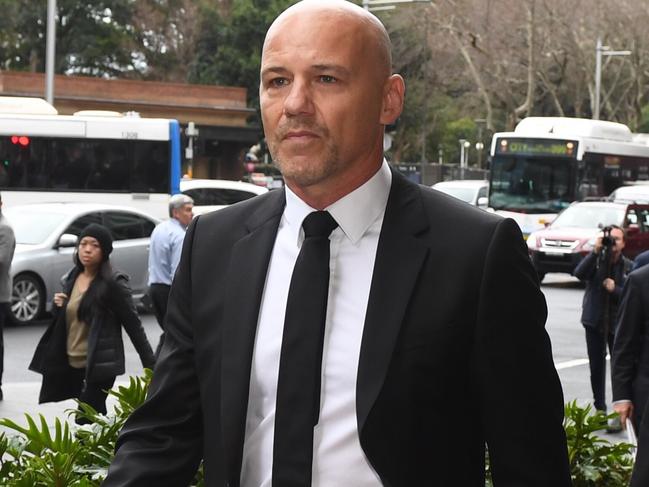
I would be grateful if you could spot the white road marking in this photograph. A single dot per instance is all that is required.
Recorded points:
(574, 363)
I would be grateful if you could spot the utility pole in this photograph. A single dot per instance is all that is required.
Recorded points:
(600, 51)
(50, 50)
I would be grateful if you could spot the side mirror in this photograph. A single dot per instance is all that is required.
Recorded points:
(483, 201)
(67, 240)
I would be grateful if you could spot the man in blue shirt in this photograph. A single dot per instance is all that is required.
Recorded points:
(164, 254)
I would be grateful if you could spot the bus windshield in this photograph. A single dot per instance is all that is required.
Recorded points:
(530, 184)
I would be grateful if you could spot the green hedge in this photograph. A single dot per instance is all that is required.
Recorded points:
(78, 456)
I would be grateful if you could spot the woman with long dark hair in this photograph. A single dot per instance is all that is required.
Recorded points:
(82, 352)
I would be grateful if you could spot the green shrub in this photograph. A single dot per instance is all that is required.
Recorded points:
(594, 461)
(70, 455)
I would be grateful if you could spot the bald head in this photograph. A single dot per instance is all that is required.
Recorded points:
(337, 13)
(326, 94)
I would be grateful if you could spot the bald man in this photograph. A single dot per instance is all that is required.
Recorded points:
(432, 338)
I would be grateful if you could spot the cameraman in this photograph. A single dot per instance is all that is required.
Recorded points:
(604, 271)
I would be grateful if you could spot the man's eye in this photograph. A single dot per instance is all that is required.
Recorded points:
(277, 82)
(325, 78)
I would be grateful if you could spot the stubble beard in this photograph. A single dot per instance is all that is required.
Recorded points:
(305, 173)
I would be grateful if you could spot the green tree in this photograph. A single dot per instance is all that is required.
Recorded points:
(95, 38)
(228, 47)
(22, 34)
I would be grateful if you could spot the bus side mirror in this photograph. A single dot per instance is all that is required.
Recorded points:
(67, 240)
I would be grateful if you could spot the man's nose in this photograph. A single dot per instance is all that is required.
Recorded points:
(298, 100)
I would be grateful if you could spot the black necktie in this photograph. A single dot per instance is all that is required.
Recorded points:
(298, 388)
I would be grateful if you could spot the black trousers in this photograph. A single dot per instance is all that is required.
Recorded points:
(159, 294)
(92, 393)
(640, 476)
(596, 346)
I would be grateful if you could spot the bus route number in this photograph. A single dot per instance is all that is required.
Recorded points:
(129, 135)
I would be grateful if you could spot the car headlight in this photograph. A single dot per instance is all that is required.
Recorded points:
(588, 245)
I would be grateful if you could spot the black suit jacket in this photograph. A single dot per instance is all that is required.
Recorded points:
(454, 352)
(630, 363)
(630, 359)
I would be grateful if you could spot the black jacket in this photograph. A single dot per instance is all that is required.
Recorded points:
(630, 363)
(105, 345)
(458, 316)
(593, 275)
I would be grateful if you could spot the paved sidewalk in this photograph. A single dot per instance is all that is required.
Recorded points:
(22, 398)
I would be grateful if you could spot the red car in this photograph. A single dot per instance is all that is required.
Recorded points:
(560, 246)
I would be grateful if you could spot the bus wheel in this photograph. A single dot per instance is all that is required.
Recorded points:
(27, 300)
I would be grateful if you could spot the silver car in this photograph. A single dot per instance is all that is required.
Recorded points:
(46, 236)
(214, 194)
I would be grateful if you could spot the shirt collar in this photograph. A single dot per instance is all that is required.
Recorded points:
(354, 212)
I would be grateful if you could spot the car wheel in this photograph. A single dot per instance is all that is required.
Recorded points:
(27, 299)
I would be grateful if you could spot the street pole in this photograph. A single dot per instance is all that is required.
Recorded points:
(598, 76)
(462, 147)
(600, 51)
(425, 121)
(49, 51)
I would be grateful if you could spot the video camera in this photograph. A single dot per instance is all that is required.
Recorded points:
(607, 240)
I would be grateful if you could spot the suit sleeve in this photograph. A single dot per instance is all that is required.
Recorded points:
(628, 339)
(161, 443)
(519, 389)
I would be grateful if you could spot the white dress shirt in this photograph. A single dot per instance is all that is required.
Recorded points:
(338, 459)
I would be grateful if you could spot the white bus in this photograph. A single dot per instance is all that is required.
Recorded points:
(99, 156)
(549, 162)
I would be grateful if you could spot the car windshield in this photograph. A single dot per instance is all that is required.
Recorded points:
(589, 216)
(464, 194)
(33, 227)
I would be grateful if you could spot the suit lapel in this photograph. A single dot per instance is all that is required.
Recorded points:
(246, 276)
(399, 258)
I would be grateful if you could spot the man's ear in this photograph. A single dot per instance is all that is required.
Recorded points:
(393, 97)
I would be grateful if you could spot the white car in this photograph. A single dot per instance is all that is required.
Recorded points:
(472, 191)
(46, 235)
(638, 192)
(214, 194)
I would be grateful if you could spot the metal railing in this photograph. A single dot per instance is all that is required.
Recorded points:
(429, 173)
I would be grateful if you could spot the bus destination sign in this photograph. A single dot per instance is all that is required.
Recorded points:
(537, 147)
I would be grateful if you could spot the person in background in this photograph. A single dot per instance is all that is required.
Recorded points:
(331, 332)
(164, 254)
(81, 352)
(630, 355)
(640, 260)
(7, 247)
(604, 271)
